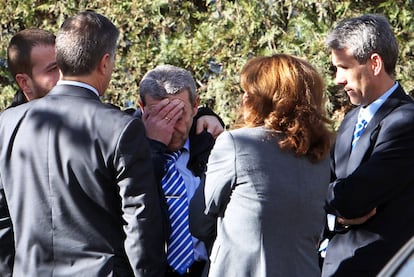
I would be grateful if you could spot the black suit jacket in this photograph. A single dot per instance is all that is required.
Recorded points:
(77, 179)
(18, 99)
(379, 172)
(200, 148)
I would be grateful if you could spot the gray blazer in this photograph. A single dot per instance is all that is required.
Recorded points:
(268, 206)
(77, 181)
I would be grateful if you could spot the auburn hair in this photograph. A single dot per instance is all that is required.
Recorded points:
(286, 94)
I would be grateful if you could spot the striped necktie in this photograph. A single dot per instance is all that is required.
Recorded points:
(180, 253)
(359, 129)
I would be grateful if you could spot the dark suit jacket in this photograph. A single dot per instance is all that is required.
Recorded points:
(77, 179)
(379, 172)
(18, 99)
(200, 148)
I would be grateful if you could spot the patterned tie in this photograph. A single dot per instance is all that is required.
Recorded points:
(180, 253)
(359, 129)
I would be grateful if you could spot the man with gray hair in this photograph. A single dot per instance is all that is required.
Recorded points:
(370, 200)
(78, 195)
(169, 103)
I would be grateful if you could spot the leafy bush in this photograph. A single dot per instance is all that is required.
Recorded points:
(212, 39)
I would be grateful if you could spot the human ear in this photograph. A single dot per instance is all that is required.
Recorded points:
(23, 81)
(105, 65)
(141, 105)
(377, 63)
(196, 104)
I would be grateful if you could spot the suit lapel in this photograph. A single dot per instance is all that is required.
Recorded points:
(369, 136)
(343, 143)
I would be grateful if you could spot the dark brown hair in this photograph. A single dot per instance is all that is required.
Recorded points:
(20, 49)
(286, 94)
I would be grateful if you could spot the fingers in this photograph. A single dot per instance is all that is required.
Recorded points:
(165, 109)
(155, 109)
(372, 213)
(159, 119)
(217, 130)
(173, 111)
(211, 124)
(357, 221)
(200, 125)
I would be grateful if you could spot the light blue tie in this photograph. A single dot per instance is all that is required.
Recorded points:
(180, 253)
(359, 129)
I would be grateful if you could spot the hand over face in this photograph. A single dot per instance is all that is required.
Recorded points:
(160, 118)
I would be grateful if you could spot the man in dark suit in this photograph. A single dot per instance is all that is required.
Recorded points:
(77, 190)
(370, 199)
(169, 104)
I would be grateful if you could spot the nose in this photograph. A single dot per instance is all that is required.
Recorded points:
(340, 77)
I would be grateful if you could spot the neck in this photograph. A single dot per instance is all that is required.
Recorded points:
(384, 83)
(87, 79)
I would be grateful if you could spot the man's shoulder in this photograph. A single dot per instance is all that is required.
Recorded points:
(16, 111)
(403, 112)
(400, 102)
(111, 114)
(249, 133)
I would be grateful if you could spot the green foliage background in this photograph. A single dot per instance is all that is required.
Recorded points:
(213, 39)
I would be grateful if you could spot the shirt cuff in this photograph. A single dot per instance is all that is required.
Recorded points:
(331, 219)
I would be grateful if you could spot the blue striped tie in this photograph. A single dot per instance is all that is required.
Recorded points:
(180, 253)
(359, 129)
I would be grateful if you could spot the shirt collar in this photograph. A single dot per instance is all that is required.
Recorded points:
(186, 145)
(368, 112)
(78, 84)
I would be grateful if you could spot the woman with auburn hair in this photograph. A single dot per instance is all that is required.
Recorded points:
(266, 182)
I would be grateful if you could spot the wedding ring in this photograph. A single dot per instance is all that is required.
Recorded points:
(167, 118)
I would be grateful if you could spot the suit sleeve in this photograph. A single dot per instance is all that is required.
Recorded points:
(6, 237)
(211, 200)
(158, 150)
(386, 173)
(144, 243)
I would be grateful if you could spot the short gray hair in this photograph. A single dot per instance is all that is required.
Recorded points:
(167, 80)
(364, 36)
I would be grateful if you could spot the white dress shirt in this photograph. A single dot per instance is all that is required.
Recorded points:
(78, 84)
(191, 184)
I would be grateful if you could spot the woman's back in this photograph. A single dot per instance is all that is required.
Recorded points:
(269, 205)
